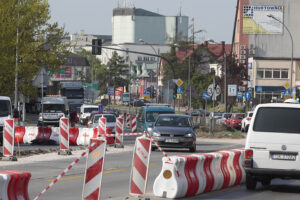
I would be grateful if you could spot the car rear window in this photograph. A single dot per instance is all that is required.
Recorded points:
(279, 120)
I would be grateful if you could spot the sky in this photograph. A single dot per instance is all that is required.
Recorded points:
(215, 17)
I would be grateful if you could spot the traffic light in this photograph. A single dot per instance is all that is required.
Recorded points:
(151, 91)
(96, 46)
(175, 92)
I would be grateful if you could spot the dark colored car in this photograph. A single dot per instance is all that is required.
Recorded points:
(140, 102)
(201, 113)
(174, 131)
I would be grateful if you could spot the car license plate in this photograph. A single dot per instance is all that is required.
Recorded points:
(284, 156)
(172, 140)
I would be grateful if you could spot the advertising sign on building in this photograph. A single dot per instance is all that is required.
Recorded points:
(257, 21)
(65, 72)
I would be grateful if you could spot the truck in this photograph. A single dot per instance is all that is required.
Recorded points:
(5, 113)
(53, 108)
(74, 92)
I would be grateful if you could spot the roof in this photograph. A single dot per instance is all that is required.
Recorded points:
(53, 100)
(179, 115)
(158, 108)
(133, 11)
(77, 60)
(4, 98)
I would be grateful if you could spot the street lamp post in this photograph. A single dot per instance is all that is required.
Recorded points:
(292, 41)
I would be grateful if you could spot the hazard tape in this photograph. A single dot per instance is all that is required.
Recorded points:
(63, 173)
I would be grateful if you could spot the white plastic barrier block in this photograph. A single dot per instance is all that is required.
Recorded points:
(84, 136)
(31, 133)
(55, 134)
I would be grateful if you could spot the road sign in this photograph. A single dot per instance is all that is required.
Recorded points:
(147, 92)
(286, 85)
(286, 93)
(240, 95)
(179, 90)
(214, 91)
(179, 82)
(232, 90)
(179, 96)
(110, 91)
(205, 95)
(247, 95)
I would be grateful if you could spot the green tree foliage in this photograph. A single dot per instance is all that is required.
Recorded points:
(38, 42)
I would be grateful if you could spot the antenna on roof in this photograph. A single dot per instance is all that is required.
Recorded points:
(180, 7)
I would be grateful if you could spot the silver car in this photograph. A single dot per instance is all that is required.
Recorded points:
(175, 131)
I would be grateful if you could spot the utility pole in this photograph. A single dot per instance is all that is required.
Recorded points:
(17, 62)
(225, 81)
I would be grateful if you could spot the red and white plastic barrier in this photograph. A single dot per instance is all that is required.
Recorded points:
(94, 170)
(133, 124)
(199, 173)
(14, 185)
(127, 120)
(101, 126)
(140, 166)
(119, 131)
(64, 133)
(8, 138)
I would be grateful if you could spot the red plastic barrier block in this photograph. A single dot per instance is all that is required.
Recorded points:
(21, 184)
(210, 181)
(110, 140)
(95, 133)
(73, 135)
(44, 135)
(225, 170)
(19, 134)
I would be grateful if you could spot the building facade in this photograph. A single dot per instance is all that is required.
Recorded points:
(129, 25)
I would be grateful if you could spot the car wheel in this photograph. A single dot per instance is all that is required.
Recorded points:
(246, 128)
(193, 149)
(266, 182)
(250, 182)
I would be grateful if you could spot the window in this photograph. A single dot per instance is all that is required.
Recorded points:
(260, 73)
(268, 73)
(279, 120)
(276, 73)
(284, 73)
(140, 58)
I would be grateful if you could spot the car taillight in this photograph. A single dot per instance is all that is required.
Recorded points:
(248, 158)
(248, 118)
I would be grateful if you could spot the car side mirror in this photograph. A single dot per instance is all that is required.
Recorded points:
(196, 127)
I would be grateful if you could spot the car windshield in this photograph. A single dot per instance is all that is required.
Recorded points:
(279, 120)
(54, 108)
(151, 116)
(227, 115)
(73, 94)
(238, 116)
(89, 110)
(5, 108)
(173, 121)
(109, 118)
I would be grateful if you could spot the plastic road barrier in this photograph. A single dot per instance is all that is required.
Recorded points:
(64, 133)
(133, 124)
(199, 173)
(14, 185)
(127, 120)
(8, 138)
(94, 170)
(101, 126)
(140, 166)
(19, 134)
(119, 131)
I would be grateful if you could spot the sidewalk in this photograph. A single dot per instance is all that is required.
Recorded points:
(223, 140)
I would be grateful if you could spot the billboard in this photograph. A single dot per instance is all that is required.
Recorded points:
(65, 72)
(256, 20)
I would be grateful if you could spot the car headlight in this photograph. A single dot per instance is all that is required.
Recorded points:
(155, 134)
(149, 129)
(40, 117)
(189, 135)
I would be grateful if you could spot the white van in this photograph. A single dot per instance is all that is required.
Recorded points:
(54, 107)
(5, 113)
(272, 147)
(85, 112)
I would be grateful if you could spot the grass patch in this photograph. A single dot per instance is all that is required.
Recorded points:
(220, 132)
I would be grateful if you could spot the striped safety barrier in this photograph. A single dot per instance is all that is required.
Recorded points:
(64, 133)
(119, 131)
(94, 170)
(199, 173)
(101, 126)
(133, 124)
(8, 139)
(127, 120)
(14, 185)
(140, 166)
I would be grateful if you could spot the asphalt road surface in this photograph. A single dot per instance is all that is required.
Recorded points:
(117, 165)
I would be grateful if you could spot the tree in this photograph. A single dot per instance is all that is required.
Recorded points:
(24, 27)
(117, 72)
